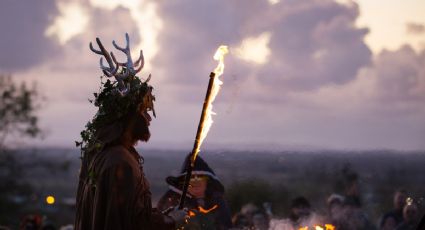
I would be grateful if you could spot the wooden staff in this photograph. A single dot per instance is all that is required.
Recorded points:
(197, 143)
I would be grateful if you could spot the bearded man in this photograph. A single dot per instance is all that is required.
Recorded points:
(113, 192)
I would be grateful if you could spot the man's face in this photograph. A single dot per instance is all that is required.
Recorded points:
(260, 221)
(141, 126)
(389, 224)
(410, 213)
(198, 186)
(301, 211)
(399, 200)
(336, 210)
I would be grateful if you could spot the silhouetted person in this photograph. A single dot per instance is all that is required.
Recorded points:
(300, 211)
(355, 218)
(410, 217)
(260, 221)
(421, 225)
(351, 187)
(393, 218)
(31, 222)
(335, 216)
(388, 222)
(113, 192)
(205, 197)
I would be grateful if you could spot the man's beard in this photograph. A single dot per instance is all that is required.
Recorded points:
(141, 129)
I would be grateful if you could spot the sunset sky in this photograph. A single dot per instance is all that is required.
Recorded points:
(304, 74)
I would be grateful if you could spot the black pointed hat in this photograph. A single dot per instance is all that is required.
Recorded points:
(201, 168)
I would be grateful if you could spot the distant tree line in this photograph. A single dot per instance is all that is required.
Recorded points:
(18, 119)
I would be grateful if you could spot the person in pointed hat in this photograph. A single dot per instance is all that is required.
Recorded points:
(205, 197)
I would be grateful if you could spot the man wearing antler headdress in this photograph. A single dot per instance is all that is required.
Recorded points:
(113, 192)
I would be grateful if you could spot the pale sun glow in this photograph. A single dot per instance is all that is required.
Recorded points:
(345, 2)
(254, 49)
(272, 2)
(71, 21)
(387, 23)
(320, 54)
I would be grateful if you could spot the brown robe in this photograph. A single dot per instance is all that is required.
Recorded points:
(114, 194)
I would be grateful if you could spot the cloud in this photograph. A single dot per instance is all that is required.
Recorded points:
(302, 45)
(378, 109)
(300, 71)
(315, 43)
(23, 43)
(254, 49)
(71, 22)
(273, 1)
(144, 17)
(394, 80)
(400, 76)
(415, 28)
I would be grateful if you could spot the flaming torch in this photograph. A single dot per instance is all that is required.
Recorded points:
(206, 116)
(318, 227)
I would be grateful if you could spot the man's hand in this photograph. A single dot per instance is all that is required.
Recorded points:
(180, 217)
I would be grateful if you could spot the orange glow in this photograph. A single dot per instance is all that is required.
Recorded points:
(329, 227)
(218, 71)
(50, 200)
(318, 227)
(202, 210)
(193, 212)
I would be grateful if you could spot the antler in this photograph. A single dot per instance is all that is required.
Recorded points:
(128, 67)
(108, 71)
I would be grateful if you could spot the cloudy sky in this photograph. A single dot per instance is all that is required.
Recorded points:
(301, 73)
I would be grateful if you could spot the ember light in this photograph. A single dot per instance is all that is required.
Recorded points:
(318, 227)
(202, 210)
(50, 200)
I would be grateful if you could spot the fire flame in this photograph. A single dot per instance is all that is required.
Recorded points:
(318, 227)
(200, 209)
(329, 227)
(218, 71)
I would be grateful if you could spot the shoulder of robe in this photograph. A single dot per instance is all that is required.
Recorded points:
(118, 155)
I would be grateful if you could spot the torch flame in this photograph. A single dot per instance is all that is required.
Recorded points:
(318, 227)
(329, 227)
(218, 71)
(219, 56)
(202, 210)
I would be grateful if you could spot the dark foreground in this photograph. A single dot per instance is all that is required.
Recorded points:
(249, 177)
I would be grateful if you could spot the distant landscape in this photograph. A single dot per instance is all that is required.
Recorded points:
(255, 177)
